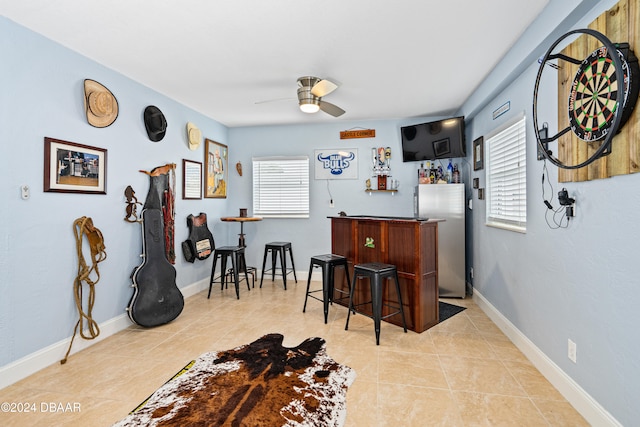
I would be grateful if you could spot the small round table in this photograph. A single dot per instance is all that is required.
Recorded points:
(241, 242)
(241, 220)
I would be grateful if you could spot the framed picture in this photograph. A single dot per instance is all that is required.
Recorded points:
(191, 179)
(74, 168)
(478, 154)
(480, 193)
(476, 182)
(216, 157)
(334, 163)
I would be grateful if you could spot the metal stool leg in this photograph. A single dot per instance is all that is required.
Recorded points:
(283, 266)
(306, 295)
(213, 274)
(376, 302)
(351, 292)
(293, 266)
(223, 268)
(404, 323)
(264, 263)
(274, 257)
(236, 276)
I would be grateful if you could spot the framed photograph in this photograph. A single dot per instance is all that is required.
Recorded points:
(191, 179)
(476, 182)
(216, 157)
(480, 193)
(334, 163)
(478, 154)
(74, 168)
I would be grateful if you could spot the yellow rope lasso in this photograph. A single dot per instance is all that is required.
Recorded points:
(81, 227)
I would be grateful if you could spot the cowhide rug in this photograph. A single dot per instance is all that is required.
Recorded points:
(257, 384)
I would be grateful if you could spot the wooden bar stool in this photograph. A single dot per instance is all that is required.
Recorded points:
(378, 273)
(236, 253)
(327, 262)
(278, 248)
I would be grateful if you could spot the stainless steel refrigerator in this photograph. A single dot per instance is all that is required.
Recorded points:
(446, 201)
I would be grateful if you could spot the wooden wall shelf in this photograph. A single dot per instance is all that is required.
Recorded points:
(380, 191)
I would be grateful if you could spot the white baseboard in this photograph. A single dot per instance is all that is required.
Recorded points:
(32, 363)
(582, 401)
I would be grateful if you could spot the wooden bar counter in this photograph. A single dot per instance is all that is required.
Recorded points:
(408, 243)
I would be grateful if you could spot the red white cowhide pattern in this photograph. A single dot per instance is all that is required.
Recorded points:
(257, 384)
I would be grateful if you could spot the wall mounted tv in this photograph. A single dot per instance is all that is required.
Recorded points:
(439, 139)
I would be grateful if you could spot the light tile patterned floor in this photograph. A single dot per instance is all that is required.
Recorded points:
(462, 372)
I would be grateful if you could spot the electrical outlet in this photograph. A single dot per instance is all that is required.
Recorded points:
(572, 350)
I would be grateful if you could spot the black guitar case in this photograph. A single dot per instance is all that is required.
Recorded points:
(200, 243)
(156, 299)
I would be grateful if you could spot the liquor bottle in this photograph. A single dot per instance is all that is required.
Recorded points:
(456, 174)
(432, 173)
(425, 177)
(449, 176)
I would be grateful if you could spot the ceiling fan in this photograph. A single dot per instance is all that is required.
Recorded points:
(311, 90)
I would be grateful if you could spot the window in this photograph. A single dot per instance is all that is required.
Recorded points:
(507, 177)
(281, 187)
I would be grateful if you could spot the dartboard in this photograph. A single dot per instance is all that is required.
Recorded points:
(595, 93)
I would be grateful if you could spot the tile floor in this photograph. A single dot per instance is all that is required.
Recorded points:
(462, 372)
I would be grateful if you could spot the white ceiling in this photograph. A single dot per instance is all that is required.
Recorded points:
(392, 59)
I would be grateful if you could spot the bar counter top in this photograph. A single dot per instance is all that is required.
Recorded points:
(390, 218)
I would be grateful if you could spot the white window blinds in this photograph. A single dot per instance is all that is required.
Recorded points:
(507, 177)
(281, 187)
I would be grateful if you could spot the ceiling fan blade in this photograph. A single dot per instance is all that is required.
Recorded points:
(274, 100)
(331, 109)
(323, 88)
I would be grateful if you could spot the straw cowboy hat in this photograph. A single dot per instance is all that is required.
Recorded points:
(155, 123)
(100, 104)
(194, 136)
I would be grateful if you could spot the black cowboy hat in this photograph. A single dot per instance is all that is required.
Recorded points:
(155, 123)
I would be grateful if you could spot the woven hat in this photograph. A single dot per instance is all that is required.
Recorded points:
(194, 136)
(155, 123)
(100, 105)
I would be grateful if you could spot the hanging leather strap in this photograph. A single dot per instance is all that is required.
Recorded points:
(84, 227)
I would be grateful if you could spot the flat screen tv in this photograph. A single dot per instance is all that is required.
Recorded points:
(439, 139)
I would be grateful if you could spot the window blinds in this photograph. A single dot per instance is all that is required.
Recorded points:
(506, 177)
(281, 187)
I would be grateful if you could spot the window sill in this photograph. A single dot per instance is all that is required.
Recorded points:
(508, 227)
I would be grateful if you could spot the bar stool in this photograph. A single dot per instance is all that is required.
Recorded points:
(278, 248)
(236, 253)
(377, 273)
(327, 262)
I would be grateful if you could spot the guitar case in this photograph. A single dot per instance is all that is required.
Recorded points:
(200, 243)
(156, 299)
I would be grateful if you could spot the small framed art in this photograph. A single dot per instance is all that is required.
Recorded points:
(216, 158)
(191, 179)
(74, 168)
(478, 153)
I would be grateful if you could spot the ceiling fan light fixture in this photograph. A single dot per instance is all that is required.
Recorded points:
(309, 106)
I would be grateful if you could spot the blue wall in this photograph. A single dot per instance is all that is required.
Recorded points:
(312, 236)
(578, 283)
(42, 96)
(552, 285)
